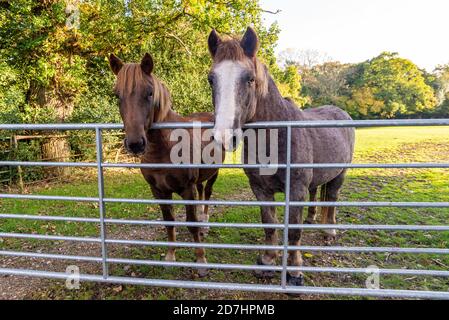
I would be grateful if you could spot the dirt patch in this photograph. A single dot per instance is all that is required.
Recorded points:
(17, 288)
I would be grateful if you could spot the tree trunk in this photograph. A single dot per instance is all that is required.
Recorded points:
(56, 149)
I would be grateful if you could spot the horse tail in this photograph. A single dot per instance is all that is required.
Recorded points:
(323, 198)
(209, 185)
(323, 192)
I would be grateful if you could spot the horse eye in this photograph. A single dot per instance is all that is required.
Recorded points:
(211, 80)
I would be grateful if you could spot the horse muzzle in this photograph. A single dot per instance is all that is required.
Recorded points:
(229, 139)
(136, 148)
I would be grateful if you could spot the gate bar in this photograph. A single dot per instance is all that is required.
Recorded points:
(228, 245)
(286, 209)
(163, 223)
(101, 205)
(253, 125)
(233, 203)
(235, 286)
(411, 165)
(242, 267)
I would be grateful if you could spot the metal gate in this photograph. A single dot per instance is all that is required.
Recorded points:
(103, 221)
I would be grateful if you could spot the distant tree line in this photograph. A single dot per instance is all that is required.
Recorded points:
(386, 86)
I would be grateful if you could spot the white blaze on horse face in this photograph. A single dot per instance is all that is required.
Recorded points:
(227, 76)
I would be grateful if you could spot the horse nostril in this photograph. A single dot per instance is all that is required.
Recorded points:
(136, 147)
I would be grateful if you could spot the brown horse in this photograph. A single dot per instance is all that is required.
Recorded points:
(145, 100)
(243, 91)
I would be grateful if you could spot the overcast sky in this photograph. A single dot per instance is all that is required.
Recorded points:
(357, 30)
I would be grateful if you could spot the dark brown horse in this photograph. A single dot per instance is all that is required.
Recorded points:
(145, 100)
(243, 92)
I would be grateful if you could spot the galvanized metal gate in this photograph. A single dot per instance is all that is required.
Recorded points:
(103, 221)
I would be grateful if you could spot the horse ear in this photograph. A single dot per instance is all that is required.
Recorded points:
(250, 43)
(213, 42)
(147, 64)
(115, 63)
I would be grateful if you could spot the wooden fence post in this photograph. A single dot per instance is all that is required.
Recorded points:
(19, 168)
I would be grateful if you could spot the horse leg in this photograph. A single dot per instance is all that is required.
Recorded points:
(206, 196)
(331, 195)
(323, 210)
(312, 210)
(271, 238)
(167, 213)
(296, 278)
(208, 193)
(201, 208)
(190, 194)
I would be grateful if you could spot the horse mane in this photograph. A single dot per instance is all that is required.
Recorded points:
(230, 49)
(131, 78)
(162, 100)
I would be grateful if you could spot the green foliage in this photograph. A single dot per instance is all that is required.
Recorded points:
(439, 81)
(289, 83)
(11, 91)
(386, 86)
(51, 71)
(325, 83)
(58, 73)
(391, 86)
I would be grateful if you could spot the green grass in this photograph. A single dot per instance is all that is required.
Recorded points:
(379, 145)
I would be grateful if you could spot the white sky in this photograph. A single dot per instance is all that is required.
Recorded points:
(357, 30)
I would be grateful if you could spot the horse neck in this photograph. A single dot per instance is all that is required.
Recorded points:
(274, 107)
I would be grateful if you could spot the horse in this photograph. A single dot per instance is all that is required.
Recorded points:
(144, 100)
(242, 92)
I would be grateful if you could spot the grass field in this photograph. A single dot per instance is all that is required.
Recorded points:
(376, 145)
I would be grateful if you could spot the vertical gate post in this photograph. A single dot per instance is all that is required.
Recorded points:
(287, 207)
(101, 204)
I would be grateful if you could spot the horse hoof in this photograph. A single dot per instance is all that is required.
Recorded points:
(329, 236)
(295, 281)
(328, 240)
(170, 258)
(263, 274)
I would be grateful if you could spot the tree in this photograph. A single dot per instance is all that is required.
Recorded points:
(36, 43)
(53, 57)
(325, 83)
(289, 84)
(396, 82)
(439, 80)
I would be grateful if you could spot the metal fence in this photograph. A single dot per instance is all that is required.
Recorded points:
(103, 221)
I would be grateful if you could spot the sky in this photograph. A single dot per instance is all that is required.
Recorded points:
(357, 30)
